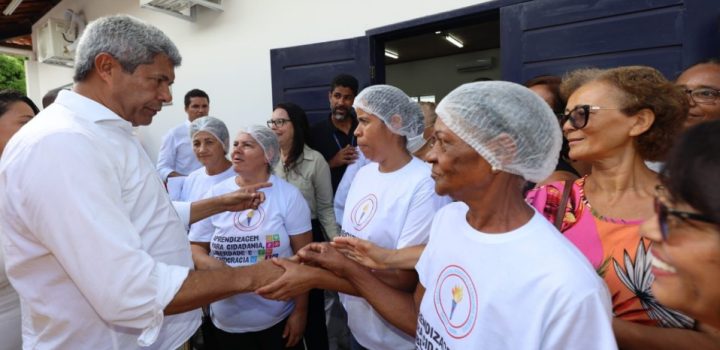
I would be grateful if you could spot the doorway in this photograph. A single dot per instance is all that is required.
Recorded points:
(430, 60)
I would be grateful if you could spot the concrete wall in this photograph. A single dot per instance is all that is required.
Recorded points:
(227, 53)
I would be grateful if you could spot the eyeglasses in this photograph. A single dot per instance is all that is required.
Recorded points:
(663, 212)
(278, 123)
(580, 115)
(703, 95)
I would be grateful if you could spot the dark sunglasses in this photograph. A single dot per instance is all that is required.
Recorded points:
(663, 212)
(580, 115)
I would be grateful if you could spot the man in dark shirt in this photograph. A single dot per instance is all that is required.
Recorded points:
(333, 137)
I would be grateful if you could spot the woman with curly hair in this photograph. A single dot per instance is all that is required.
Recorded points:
(616, 119)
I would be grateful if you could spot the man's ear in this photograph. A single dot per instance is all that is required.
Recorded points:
(644, 119)
(105, 65)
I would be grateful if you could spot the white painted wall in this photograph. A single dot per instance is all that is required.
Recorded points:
(227, 53)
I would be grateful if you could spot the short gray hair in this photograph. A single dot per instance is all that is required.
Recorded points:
(129, 40)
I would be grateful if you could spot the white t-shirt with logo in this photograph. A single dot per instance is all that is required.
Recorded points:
(529, 288)
(199, 182)
(248, 237)
(393, 210)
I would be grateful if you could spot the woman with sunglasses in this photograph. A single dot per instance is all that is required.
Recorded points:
(306, 169)
(548, 88)
(686, 229)
(615, 120)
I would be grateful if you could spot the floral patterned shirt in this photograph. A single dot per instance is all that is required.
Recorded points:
(616, 250)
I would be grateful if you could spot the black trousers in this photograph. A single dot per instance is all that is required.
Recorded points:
(316, 336)
(267, 339)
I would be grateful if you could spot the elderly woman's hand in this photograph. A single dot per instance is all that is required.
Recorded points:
(326, 256)
(248, 197)
(265, 272)
(295, 280)
(362, 251)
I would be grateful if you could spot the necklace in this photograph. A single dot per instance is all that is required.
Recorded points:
(594, 212)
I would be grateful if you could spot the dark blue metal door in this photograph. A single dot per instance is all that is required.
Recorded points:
(302, 74)
(554, 36)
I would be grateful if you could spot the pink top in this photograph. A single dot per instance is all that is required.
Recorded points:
(616, 250)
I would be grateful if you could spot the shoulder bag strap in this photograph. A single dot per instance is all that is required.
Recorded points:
(563, 204)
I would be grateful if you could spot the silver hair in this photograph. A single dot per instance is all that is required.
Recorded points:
(129, 40)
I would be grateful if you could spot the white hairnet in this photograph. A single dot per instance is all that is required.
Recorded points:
(267, 140)
(401, 115)
(507, 124)
(214, 127)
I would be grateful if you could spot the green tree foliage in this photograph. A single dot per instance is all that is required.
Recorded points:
(12, 73)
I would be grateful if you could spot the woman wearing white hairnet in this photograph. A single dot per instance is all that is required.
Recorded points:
(279, 227)
(210, 142)
(390, 202)
(495, 273)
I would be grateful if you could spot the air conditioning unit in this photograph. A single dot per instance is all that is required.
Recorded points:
(184, 9)
(52, 47)
(475, 65)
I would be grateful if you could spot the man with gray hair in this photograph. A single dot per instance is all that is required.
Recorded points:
(94, 246)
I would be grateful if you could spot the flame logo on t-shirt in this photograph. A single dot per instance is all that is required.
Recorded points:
(457, 296)
(249, 220)
(459, 313)
(363, 212)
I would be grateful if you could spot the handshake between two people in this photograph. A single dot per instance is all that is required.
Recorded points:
(322, 265)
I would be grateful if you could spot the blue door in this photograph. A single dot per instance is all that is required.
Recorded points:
(302, 74)
(554, 36)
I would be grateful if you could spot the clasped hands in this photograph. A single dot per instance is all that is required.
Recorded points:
(300, 272)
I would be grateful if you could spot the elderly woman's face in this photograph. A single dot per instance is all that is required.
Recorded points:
(455, 165)
(17, 115)
(686, 266)
(607, 131)
(247, 155)
(207, 148)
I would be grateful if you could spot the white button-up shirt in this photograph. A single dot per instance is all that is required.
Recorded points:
(92, 243)
(176, 153)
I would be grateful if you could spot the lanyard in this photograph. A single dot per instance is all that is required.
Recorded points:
(337, 142)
